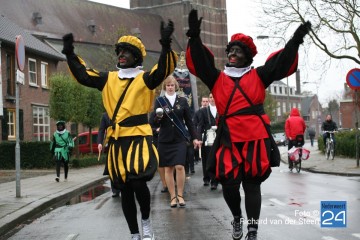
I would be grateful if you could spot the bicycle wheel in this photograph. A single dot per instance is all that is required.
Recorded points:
(327, 152)
(332, 150)
(298, 162)
(298, 165)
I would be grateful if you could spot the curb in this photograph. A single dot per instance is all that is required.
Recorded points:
(12, 226)
(313, 170)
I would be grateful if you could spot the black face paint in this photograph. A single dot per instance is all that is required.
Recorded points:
(126, 58)
(237, 57)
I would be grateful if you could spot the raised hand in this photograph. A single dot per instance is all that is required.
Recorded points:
(166, 32)
(68, 47)
(301, 32)
(194, 24)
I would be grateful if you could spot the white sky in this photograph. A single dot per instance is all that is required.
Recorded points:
(242, 18)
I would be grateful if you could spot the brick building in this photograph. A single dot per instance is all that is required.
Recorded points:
(40, 62)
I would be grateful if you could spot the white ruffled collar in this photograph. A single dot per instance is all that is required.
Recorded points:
(236, 72)
(60, 132)
(130, 72)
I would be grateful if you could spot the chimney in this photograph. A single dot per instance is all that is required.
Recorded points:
(298, 87)
(91, 26)
(136, 32)
(37, 18)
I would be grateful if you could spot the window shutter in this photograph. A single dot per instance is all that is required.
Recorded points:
(4, 126)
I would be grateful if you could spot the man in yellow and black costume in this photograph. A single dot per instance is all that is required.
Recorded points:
(128, 96)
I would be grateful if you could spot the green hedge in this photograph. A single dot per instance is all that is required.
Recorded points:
(86, 161)
(345, 144)
(36, 155)
(32, 155)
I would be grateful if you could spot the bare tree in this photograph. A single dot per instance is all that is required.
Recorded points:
(335, 23)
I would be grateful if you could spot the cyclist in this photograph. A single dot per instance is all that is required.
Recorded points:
(294, 125)
(328, 125)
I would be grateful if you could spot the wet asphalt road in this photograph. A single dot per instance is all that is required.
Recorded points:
(290, 210)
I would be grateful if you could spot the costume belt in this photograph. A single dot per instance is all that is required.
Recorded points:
(132, 121)
(223, 133)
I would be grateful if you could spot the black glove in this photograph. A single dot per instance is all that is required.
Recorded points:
(194, 24)
(166, 32)
(301, 32)
(68, 41)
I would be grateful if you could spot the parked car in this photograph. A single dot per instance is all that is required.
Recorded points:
(280, 138)
(84, 142)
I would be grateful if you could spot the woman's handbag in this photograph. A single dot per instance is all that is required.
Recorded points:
(210, 136)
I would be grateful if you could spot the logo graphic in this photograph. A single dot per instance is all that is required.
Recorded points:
(333, 214)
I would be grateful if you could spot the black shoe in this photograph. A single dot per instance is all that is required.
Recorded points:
(57, 179)
(115, 195)
(251, 235)
(237, 229)
(213, 187)
(192, 171)
(164, 190)
(206, 183)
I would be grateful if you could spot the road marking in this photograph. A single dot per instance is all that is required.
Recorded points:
(328, 238)
(274, 200)
(356, 235)
(72, 236)
(286, 218)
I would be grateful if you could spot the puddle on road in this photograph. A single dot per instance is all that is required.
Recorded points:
(89, 194)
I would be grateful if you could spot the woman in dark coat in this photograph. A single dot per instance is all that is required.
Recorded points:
(172, 140)
(242, 150)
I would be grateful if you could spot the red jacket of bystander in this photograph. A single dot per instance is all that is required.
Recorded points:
(294, 125)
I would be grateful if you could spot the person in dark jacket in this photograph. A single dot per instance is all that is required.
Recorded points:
(294, 126)
(240, 154)
(328, 125)
(172, 141)
(156, 130)
(103, 145)
(312, 133)
(207, 120)
(204, 103)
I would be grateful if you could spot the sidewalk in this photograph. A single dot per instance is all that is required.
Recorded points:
(39, 193)
(317, 162)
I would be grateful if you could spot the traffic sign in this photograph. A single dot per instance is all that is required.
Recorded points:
(353, 78)
(20, 52)
(20, 76)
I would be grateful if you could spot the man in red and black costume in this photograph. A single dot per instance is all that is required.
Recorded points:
(242, 147)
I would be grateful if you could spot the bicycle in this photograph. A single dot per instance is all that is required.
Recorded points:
(329, 145)
(298, 144)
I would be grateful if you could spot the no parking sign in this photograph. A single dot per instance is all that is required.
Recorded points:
(353, 78)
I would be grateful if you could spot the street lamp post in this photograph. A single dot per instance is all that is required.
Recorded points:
(318, 113)
(287, 78)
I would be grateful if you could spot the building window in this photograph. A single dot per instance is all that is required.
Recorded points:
(280, 90)
(10, 75)
(291, 91)
(278, 109)
(284, 107)
(275, 89)
(44, 75)
(41, 123)
(11, 124)
(32, 72)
